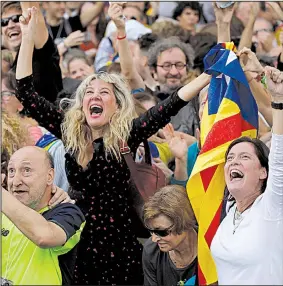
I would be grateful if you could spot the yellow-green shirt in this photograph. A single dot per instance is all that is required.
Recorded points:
(24, 263)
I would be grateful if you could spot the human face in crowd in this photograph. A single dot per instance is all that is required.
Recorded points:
(172, 79)
(188, 19)
(263, 34)
(243, 172)
(11, 34)
(73, 5)
(30, 177)
(9, 102)
(132, 13)
(99, 103)
(79, 69)
(169, 242)
(55, 10)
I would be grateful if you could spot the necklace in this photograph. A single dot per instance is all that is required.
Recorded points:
(237, 220)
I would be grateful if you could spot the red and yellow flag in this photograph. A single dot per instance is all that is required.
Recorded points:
(230, 112)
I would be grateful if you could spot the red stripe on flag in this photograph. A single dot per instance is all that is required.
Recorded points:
(224, 131)
(213, 226)
(201, 278)
(206, 176)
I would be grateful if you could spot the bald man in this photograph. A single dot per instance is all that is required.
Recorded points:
(35, 237)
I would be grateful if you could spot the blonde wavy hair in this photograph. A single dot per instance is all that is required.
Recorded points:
(14, 136)
(77, 134)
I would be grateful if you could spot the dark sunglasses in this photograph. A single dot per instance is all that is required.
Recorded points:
(160, 232)
(14, 18)
(7, 93)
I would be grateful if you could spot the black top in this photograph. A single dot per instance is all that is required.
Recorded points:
(70, 218)
(66, 27)
(279, 63)
(160, 270)
(109, 252)
(46, 70)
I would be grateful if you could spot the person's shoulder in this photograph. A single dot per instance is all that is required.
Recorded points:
(64, 208)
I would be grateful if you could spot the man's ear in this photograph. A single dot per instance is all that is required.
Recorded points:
(144, 61)
(50, 177)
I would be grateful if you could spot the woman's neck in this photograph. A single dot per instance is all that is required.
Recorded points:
(96, 134)
(186, 252)
(246, 202)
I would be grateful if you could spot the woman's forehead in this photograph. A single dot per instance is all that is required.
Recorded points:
(99, 83)
(241, 147)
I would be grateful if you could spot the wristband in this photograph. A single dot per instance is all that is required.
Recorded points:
(121, 38)
(277, 105)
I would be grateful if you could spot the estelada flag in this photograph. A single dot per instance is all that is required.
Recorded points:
(230, 112)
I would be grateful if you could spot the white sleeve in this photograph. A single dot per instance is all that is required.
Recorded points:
(273, 195)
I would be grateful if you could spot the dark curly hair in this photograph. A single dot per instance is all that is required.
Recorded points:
(183, 5)
(146, 41)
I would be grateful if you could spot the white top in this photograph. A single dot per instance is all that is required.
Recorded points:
(253, 255)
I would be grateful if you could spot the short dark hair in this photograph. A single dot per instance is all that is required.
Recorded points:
(261, 150)
(145, 41)
(8, 5)
(183, 5)
(166, 44)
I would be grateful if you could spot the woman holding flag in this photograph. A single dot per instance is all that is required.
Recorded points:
(247, 247)
(100, 115)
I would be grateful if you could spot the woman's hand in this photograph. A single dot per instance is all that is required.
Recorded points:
(177, 143)
(59, 197)
(249, 61)
(115, 13)
(274, 82)
(28, 23)
(223, 15)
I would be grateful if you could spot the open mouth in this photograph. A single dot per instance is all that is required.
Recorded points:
(14, 35)
(236, 175)
(95, 110)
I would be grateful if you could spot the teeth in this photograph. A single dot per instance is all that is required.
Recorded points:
(235, 174)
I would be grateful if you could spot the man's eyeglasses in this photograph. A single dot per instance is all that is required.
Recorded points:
(7, 93)
(14, 18)
(160, 232)
(168, 66)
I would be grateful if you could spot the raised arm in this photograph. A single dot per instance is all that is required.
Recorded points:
(38, 107)
(273, 195)
(128, 68)
(41, 29)
(158, 116)
(91, 13)
(246, 38)
(252, 68)
(223, 21)
(42, 232)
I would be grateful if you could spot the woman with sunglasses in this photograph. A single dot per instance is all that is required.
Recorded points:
(170, 255)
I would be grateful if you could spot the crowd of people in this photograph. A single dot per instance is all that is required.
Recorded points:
(82, 80)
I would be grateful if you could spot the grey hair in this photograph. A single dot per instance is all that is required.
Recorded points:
(166, 44)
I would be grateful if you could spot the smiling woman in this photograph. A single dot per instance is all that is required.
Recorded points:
(101, 114)
(169, 256)
(247, 247)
